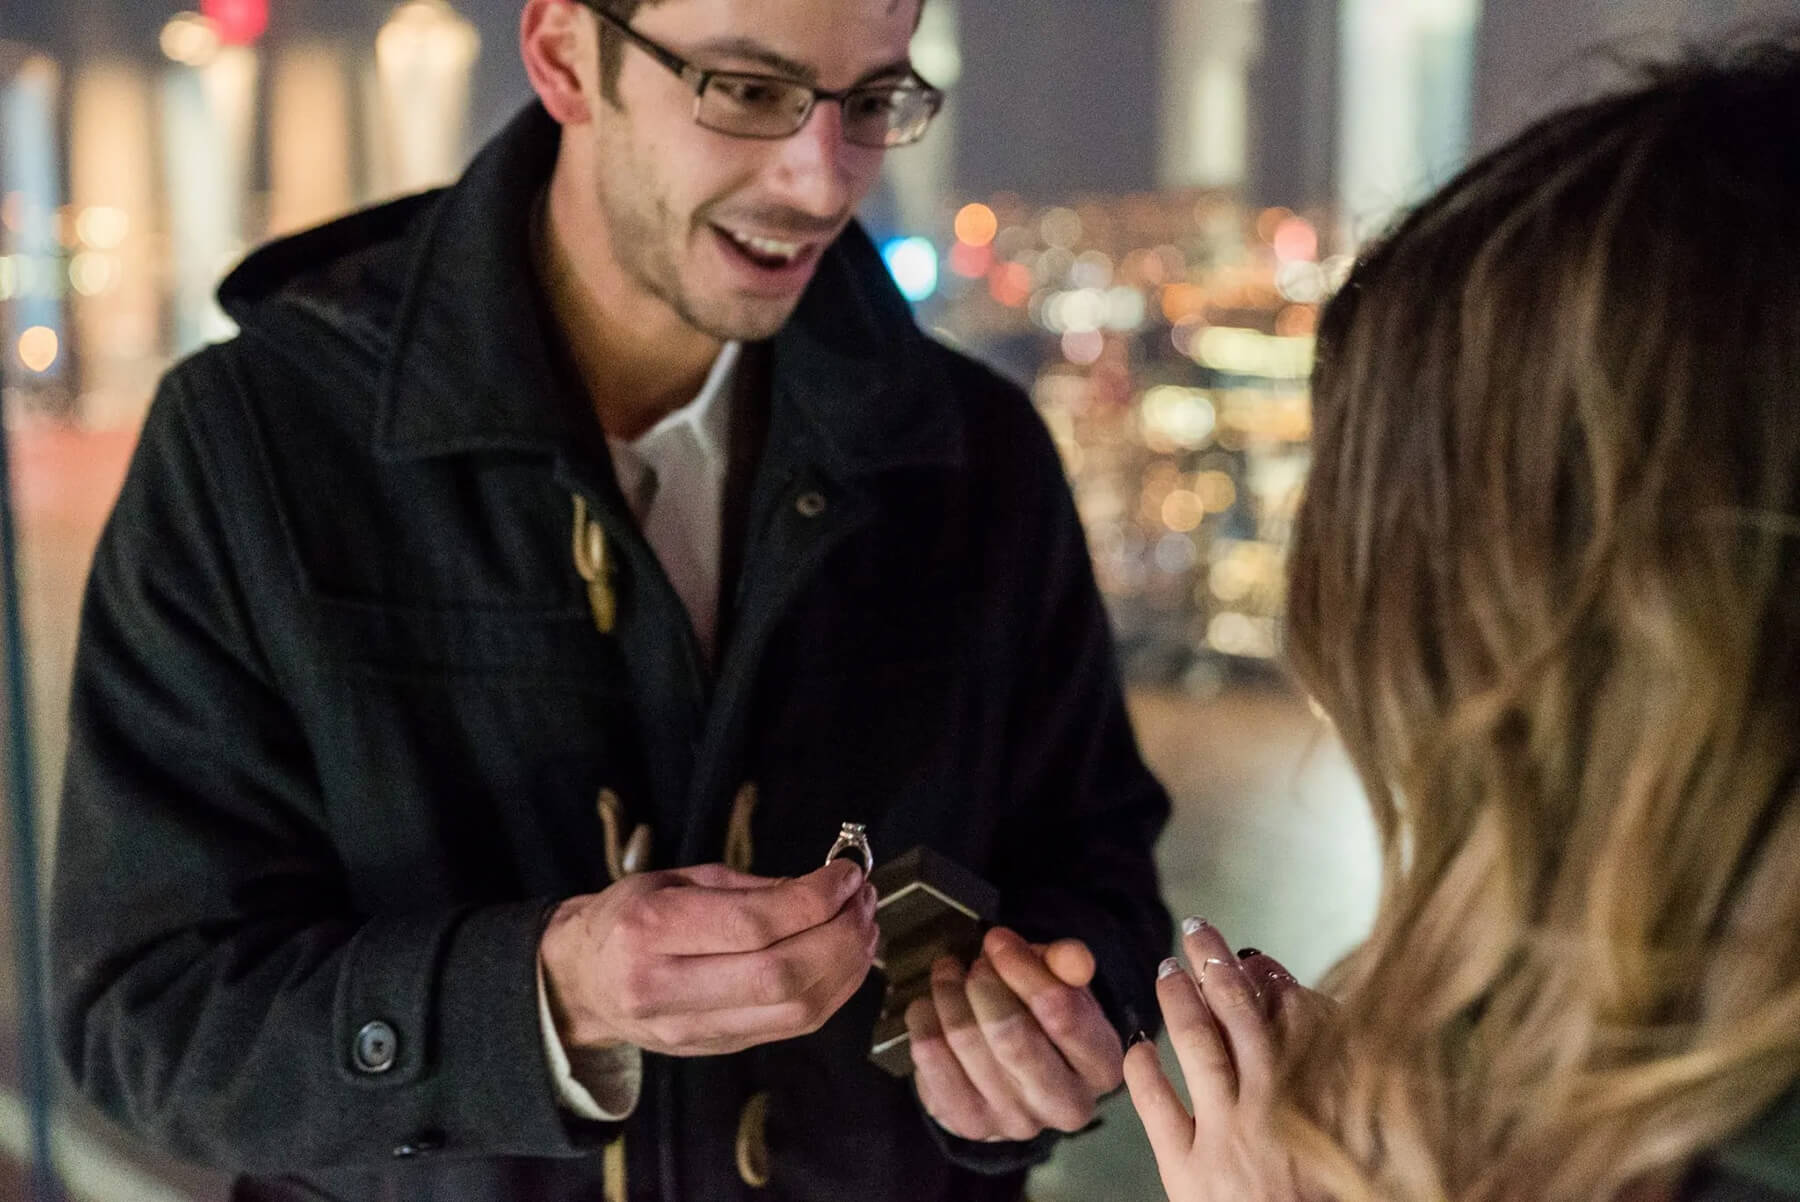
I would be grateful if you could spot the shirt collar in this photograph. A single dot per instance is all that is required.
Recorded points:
(708, 415)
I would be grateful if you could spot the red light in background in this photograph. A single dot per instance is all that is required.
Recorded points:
(971, 262)
(239, 22)
(1296, 241)
(1010, 284)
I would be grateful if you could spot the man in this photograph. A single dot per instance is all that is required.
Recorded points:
(490, 640)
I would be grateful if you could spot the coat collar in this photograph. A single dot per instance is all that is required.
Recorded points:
(472, 366)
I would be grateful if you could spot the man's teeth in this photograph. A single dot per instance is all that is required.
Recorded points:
(768, 248)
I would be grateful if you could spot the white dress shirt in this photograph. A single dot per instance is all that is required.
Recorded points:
(673, 477)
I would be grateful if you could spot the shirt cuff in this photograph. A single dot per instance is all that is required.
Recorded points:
(611, 1078)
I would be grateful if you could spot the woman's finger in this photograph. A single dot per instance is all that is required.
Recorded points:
(1166, 1121)
(1232, 999)
(1271, 979)
(1199, 1047)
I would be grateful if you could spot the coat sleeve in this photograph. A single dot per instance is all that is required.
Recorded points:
(1074, 856)
(212, 981)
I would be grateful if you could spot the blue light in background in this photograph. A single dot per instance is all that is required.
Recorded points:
(913, 262)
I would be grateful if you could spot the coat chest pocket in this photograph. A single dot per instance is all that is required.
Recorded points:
(460, 750)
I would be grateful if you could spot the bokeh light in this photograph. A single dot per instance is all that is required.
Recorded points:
(913, 263)
(1083, 347)
(976, 225)
(190, 39)
(38, 348)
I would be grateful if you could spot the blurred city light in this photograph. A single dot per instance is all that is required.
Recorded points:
(423, 57)
(239, 22)
(102, 227)
(190, 39)
(1296, 239)
(976, 225)
(38, 348)
(914, 265)
(30, 171)
(1168, 336)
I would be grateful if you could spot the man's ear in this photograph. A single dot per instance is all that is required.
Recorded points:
(557, 42)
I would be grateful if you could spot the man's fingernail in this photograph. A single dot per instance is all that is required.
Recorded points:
(1193, 926)
(1168, 968)
(1137, 1038)
(1247, 953)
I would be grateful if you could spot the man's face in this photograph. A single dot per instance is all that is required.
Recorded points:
(728, 231)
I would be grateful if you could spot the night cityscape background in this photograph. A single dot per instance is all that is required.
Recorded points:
(1135, 208)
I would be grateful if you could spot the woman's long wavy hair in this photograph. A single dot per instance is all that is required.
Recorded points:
(1546, 585)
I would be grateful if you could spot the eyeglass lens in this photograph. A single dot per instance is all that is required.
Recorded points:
(759, 107)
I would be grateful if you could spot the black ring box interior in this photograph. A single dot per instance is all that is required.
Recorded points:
(927, 906)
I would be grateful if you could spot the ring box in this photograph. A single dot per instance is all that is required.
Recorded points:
(927, 906)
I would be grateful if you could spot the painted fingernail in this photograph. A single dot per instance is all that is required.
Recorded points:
(1247, 953)
(1193, 926)
(1168, 968)
(1137, 1038)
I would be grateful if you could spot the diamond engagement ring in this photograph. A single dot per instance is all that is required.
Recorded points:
(853, 836)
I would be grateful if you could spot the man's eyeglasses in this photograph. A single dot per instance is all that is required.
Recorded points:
(878, 115)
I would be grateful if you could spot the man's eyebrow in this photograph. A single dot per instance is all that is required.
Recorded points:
(751, 50)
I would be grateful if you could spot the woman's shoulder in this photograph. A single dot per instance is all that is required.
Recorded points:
(1761, 1163)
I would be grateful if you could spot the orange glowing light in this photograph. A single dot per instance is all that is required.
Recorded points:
(1296, 321)
(1180, 302)
(38, 348)
(1216, 490)
(976, 225)
(1183, 511)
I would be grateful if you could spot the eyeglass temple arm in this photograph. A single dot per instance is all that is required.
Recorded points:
(694, 76)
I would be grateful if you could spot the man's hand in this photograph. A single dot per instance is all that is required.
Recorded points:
(704, 961)
(1016, 1045)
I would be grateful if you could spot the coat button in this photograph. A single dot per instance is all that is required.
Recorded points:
(376, 1048)
(810, 504)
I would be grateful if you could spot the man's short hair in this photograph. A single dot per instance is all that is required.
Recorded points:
(612, 46)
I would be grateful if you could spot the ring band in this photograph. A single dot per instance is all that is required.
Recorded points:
(1208, 963)
(853, 836)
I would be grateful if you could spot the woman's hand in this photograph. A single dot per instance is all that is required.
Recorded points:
(1225, 1018)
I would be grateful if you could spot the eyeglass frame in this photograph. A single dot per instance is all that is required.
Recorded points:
(698, 77)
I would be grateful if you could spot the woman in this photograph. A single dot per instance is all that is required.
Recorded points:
(1546, 585)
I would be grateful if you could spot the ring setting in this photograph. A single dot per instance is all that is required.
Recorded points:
(853, 837)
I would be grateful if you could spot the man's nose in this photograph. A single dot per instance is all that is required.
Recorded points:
(812, 169)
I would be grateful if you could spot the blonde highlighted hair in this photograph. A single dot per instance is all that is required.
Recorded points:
(1546, 583)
